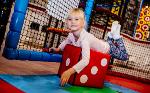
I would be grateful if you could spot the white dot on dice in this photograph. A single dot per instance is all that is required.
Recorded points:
(67, 61)
(94, 70)
(104, 62)
(83, 79)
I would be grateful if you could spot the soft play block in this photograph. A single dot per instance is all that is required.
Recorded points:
(93, 75)
(70, 57)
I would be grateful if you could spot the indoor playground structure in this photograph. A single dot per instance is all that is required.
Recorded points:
(37, 24)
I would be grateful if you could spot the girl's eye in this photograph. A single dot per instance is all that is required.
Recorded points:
(76, 19)
(69, 19)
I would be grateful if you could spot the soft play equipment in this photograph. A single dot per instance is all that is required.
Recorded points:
(28, 34)
(13, 36)
(93, 74)
(51, 84)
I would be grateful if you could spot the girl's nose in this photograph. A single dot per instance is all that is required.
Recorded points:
(73, 21)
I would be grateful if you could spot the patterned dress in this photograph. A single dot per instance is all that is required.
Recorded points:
(117, 49)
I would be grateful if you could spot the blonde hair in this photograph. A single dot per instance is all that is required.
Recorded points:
(79, 12)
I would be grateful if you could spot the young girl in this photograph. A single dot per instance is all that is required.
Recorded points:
(79, 37)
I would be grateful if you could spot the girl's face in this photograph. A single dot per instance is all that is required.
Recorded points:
(75, 22)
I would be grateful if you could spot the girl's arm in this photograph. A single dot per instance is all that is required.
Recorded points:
(85, 58)
(60, 47)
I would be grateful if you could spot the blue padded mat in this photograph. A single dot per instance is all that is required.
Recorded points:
(51, 84)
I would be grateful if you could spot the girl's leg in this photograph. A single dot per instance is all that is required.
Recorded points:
(117, 49)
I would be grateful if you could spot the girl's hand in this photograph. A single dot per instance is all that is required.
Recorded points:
(45, 49)
(51, 50)
(66, 75)
(56, 50)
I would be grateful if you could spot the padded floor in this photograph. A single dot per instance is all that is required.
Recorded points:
(50, 84)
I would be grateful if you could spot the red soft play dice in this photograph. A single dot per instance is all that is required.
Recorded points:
(92, 75)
